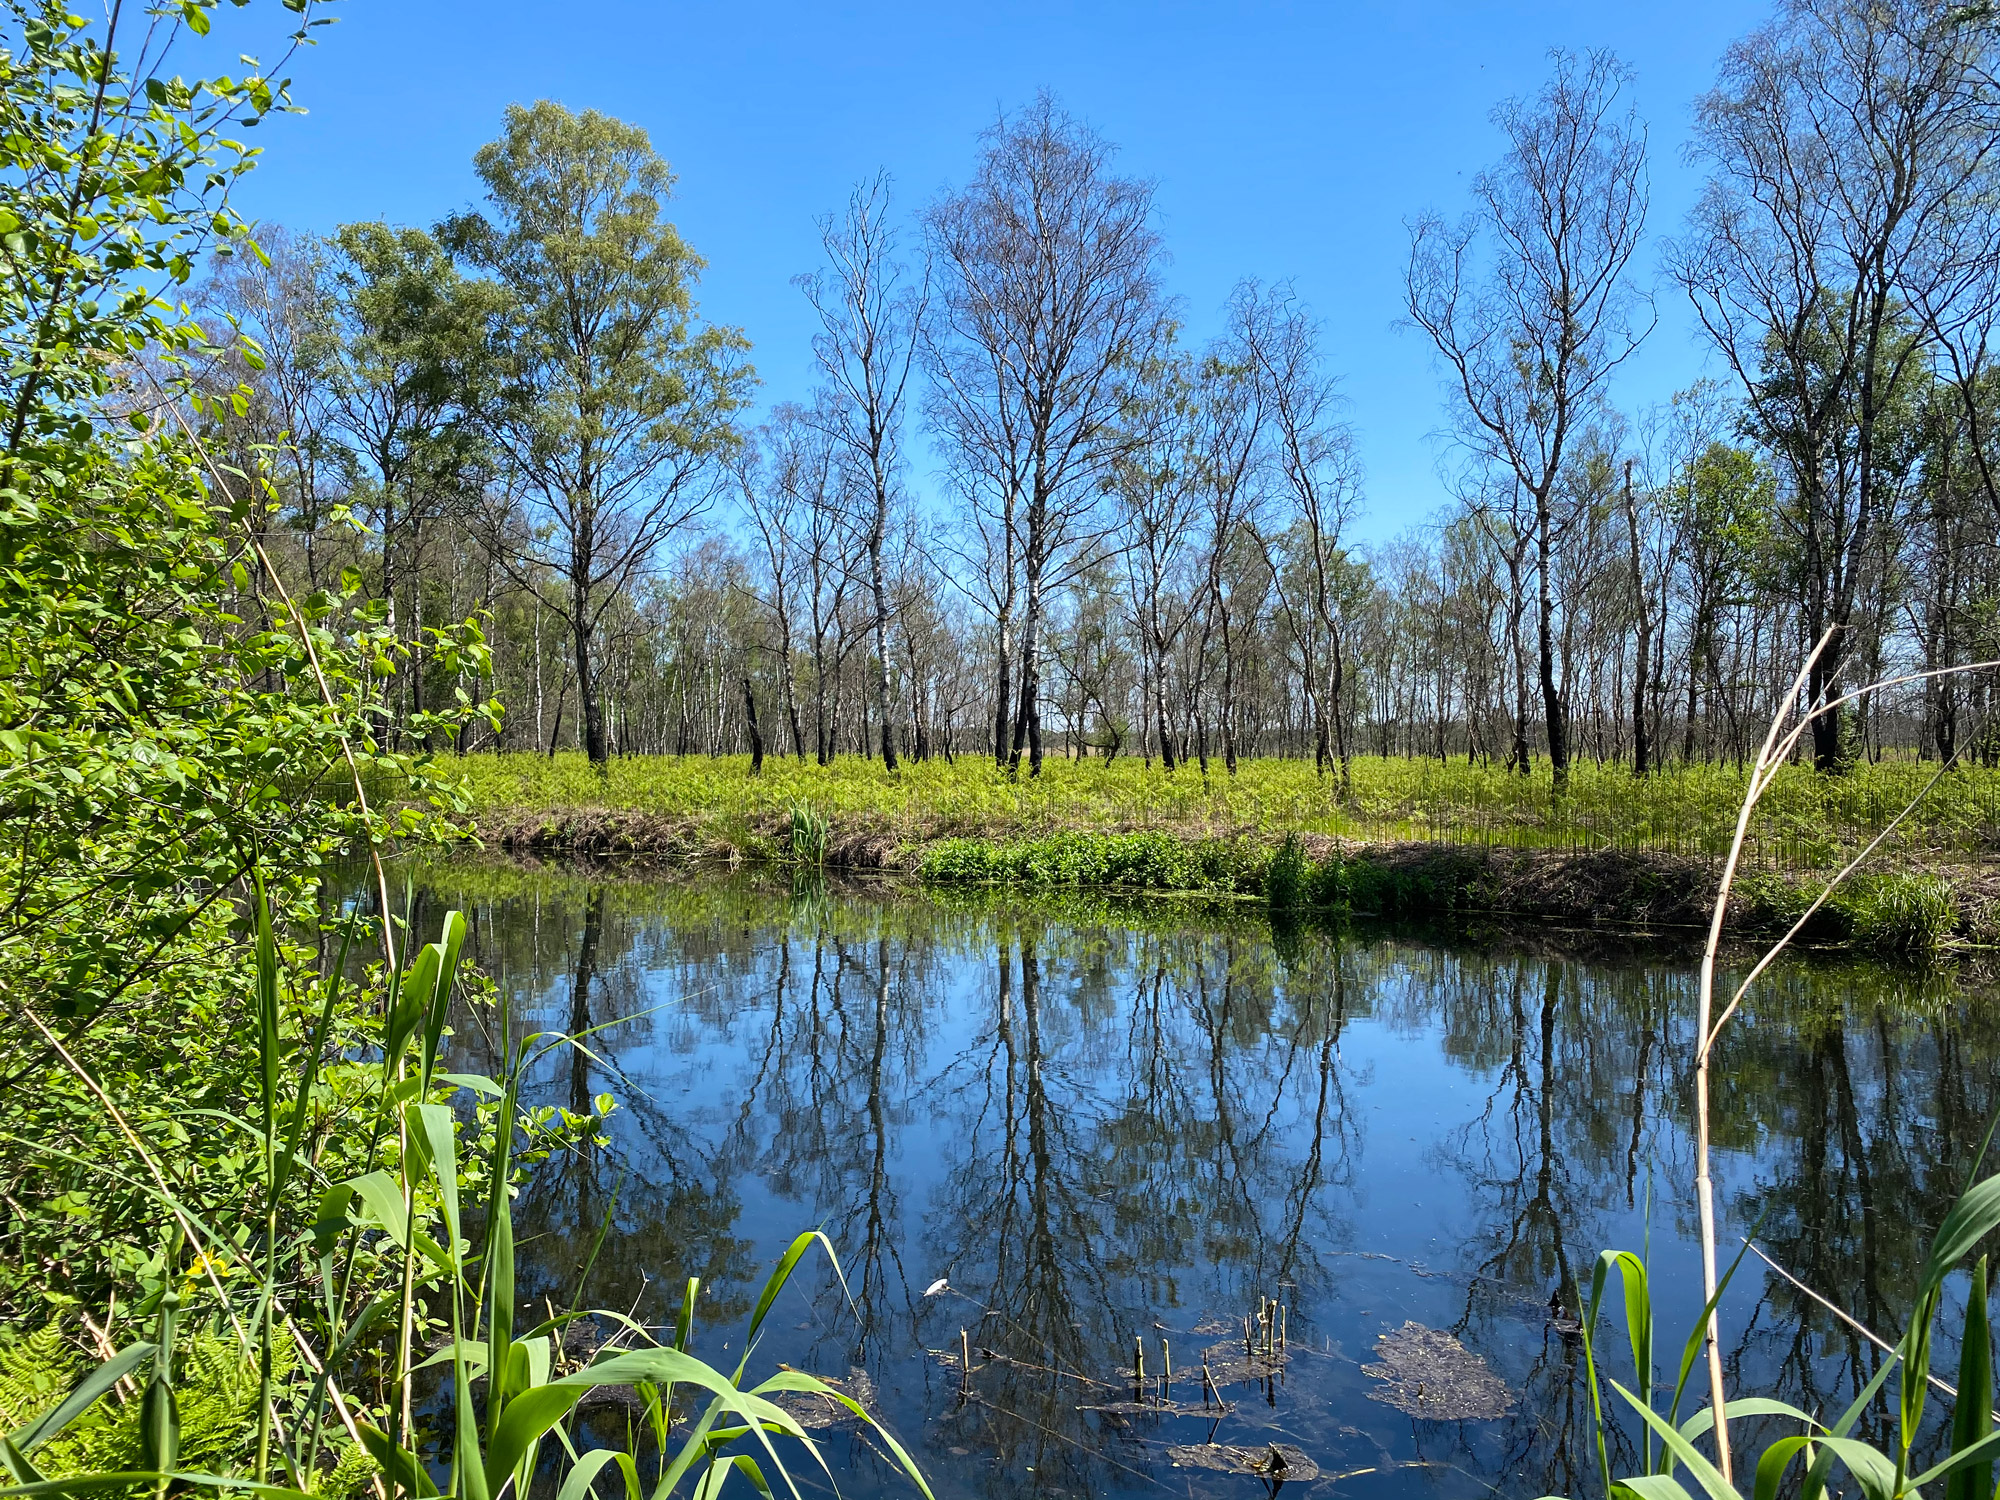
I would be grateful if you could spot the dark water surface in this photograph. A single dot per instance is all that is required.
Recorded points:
(1095, 1124)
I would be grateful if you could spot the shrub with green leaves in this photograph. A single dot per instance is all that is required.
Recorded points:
(1288, 877)
(170, 718)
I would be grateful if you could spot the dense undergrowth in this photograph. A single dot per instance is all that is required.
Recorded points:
(252, 1238)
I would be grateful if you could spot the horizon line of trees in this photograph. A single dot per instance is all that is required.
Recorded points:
(1144, 545)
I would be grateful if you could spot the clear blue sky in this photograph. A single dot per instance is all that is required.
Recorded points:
(1287, 140)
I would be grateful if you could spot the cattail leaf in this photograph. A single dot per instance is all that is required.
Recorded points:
(439, 1128)
(581, 1476)
(402, 1467)
(1705, 1473)
(19, 1466)
(382, 1196)
(159, 1426)
(83, 1395)
(798, 1380)
(1972, 1411)
(1980, 1455)
(1650, 1487)
(526, 1418)
(684, 1321)
(1703, 1421)
(1972, 1218)
(447, 949)
(775, 1282)
(1772, 1464)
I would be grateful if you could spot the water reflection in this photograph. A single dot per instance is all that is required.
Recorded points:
(1097, 1126)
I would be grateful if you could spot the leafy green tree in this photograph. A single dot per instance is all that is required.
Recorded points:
(616, 405)
(410, 384)
(1721, 509)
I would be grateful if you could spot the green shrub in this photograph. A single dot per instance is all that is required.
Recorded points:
(1288, 877)
(1096, 861)
(1901, 912)
(1906, 912)
(808, 834)
(963, 862)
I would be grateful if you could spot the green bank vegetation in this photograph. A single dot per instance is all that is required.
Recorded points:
(1808, 821)
(1413, 839)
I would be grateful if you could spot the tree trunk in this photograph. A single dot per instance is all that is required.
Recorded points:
(1552, 705)
(1517, 606)
(787, 679)
(1642, 742)
(1228, 691)
(1339, 713)
(1167, 757)
(1027, 716)
(1823, 686)
(588, 707)
(888, 714)
(756, 735)
(1003, 688)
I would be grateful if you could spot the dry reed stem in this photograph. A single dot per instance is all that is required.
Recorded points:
(1704, 1185)
(1777, 749)
(1937, 1381)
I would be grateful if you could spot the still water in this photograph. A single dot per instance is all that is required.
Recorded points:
(1096, 1124)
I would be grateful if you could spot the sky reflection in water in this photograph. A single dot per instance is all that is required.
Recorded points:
(1100, 1123)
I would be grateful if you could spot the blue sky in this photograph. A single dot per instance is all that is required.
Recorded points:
(1287, 141)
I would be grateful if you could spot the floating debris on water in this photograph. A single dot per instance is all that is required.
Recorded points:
(1426, 1373)
(1268, 1461)
(1163, 1408)
(815, 1412)
(1233, 1361)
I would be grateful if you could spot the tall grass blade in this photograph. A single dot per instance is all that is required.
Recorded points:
(1972, 1412)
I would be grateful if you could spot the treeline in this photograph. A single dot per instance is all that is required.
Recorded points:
(1022, 514)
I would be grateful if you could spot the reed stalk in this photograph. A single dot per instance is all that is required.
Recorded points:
(1775, 752)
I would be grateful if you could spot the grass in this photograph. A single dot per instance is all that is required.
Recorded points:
(1805, 821)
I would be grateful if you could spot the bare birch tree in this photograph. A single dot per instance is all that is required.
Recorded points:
(870, 311)
(1843, 141)
(1314, 456)
(1049, 298)
(1531, 344)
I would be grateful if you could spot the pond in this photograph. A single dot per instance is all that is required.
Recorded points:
(1043, 1132)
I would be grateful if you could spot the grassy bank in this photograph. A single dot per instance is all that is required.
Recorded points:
(1415, 840)
(1903, 911)
(1806, 822)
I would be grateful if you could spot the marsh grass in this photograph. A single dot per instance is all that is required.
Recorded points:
(1804, 821)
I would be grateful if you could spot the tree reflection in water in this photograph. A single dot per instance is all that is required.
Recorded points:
(1098, 1126)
